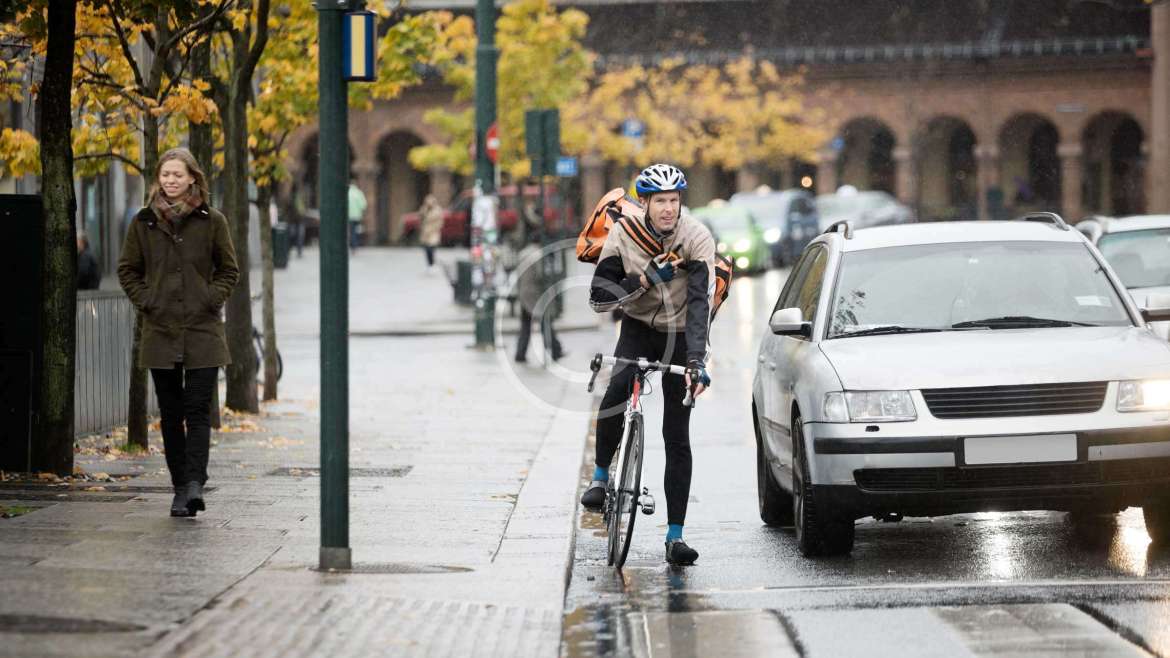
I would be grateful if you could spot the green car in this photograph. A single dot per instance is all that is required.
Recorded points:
(737, 236)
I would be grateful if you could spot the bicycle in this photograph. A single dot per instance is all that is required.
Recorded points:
(621, 501)
(258, 349)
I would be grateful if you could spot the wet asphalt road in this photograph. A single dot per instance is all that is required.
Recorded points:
(1025, 583)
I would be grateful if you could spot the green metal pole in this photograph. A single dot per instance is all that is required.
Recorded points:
(332, 177)
(485, 116)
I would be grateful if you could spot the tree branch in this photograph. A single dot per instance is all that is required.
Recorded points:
(111, 156)
(115, 8)
(260, 43)
(196, 25)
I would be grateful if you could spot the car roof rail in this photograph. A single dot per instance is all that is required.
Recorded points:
(1047, 217)
(844, 224)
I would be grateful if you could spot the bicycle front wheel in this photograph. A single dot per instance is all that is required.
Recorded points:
(629, 487)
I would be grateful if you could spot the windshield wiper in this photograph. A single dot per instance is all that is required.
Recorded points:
(890, 329)
(1019, 322)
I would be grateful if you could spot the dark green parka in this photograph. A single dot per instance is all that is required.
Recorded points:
(179, 281)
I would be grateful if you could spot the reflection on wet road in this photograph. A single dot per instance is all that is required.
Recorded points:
(1024, 583)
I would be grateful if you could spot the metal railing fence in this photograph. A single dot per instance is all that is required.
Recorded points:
(105, 329)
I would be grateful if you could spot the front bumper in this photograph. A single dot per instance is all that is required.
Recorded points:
(860, 475)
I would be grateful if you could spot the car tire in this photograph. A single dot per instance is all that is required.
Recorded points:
(775, 503)
(1157, 515)
(818, 531)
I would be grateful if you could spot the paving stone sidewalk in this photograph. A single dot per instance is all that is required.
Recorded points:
(461, 514)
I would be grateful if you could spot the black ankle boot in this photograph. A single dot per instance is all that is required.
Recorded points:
(195, 497)
(179, 504)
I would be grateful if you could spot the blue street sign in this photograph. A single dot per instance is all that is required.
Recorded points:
(357, 53)
(566, 166)
(633, 128)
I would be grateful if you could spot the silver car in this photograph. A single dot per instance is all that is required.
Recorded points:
(931, 369)
(1138, 249)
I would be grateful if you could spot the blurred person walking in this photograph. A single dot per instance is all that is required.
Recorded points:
(531, 290)
(89, 276)
(431, 228)
(357, 210)
(178, 267)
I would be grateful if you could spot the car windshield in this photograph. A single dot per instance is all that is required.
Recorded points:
(768, 210)
(973, 285)
(1140, 258)
(838, 205)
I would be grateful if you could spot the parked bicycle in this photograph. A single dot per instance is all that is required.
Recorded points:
(258, 348)
(624, 494)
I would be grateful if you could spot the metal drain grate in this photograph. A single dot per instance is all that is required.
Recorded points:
(313, 471)
(405, 568)
(37, 624)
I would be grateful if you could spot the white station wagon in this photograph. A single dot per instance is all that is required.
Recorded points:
(931, 369)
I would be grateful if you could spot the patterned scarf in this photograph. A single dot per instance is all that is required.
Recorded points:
(171, 213)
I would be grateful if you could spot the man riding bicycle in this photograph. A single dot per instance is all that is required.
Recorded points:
(660, 272)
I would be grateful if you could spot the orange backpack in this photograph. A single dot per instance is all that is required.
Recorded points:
(616, 207)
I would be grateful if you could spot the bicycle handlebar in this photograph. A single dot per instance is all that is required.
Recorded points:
(641, 364)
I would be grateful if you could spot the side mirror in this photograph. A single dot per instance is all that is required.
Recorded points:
(788, 322)
(1157, 308)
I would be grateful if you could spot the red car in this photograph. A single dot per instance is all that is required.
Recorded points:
(457, 218)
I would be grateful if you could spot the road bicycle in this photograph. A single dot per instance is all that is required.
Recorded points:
(624, 493)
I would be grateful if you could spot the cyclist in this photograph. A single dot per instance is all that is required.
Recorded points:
(660, 272)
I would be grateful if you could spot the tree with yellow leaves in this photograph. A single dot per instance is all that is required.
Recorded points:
(741, 114)
(542, 64)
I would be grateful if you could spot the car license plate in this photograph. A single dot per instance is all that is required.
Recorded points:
(1020, 449)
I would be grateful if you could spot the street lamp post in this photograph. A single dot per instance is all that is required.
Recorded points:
(332, 177)
(485, 116)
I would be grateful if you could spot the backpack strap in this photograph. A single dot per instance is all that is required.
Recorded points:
(640, 235)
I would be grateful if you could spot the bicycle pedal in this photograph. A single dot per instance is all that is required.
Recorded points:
(646, 501)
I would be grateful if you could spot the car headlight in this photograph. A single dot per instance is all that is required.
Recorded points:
(772, 235)
(743, 245)
(869, 407)
(743, 262)
(1144, 395)
(721, 247)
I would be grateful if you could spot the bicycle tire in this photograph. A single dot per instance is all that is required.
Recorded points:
(613, 499)
(628, 496)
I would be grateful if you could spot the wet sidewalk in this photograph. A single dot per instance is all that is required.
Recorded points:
(462, 496)
(402, 297)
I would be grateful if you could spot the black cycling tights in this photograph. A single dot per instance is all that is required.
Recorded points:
(638, 340)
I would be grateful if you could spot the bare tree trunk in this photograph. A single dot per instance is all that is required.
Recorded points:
(263, 199)
(203, 148)
(53, 442)
(137, 429)
(232, 100)
(241, 374)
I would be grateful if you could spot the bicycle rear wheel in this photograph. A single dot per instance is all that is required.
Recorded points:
(628, 489)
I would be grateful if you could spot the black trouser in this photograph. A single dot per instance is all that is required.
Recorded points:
(639, 340)
(430, 255)
(546, 330)
(184, 402)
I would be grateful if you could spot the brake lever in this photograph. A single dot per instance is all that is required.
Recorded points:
(595, 366)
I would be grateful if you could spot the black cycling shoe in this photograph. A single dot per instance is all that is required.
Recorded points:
(594, 497)
(678, 553)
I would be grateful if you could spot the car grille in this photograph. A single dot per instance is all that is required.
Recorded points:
(1122, 471)
(1027, 400)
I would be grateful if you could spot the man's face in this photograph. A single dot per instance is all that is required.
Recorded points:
(663, 210)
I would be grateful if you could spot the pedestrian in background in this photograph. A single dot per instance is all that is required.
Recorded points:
(89, 276)
(530, 292)
(431, 228)
(178, 267)
(357, 210)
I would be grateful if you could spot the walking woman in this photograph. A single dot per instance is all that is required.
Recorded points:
(178, 267)
(431, 228)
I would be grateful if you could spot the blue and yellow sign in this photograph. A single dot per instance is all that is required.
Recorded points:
(358, 47)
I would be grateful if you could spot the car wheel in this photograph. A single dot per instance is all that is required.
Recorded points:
(818, 531)
(775, 503)
(1157, 513)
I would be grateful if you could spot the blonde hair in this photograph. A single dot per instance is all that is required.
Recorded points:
(193, 168)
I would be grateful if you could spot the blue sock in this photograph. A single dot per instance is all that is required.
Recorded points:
(601, 474)
(673, 532)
